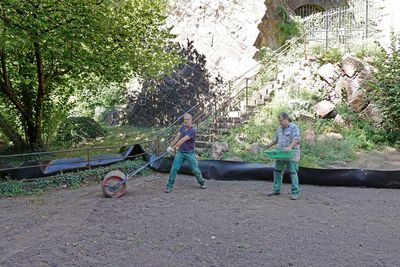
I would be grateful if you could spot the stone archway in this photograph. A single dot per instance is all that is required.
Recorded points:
(322, 4)
(307, 10)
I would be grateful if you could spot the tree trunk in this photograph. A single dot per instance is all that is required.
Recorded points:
(36, 131)
(12, 134)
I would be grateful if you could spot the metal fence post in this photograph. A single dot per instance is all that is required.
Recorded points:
(215, 112)
(339, 31)
(305, 46)
(229, 96)
(366, 19)
(326, 33)
(247, 100)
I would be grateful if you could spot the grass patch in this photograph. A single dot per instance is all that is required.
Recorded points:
(121, 135)
(325, 153)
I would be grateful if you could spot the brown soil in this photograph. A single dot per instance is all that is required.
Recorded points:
(228, 224)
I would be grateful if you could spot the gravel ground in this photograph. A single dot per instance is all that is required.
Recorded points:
(228, 224)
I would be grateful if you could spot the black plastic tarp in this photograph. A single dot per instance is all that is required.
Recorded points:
(233, 170)
(214, 169)
(36, 169)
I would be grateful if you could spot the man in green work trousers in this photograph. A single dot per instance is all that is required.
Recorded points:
(288, 138)
(184, 143)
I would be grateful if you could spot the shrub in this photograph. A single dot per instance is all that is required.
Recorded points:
(333, 56)
(77, 129)
(386, 89)
(288, 28)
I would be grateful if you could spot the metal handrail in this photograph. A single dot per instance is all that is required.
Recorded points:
(69, 150)
(64, 163)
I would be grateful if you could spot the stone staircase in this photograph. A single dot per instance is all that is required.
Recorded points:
(243, 109)
(210, 134)
(248, 93)
(232, 119)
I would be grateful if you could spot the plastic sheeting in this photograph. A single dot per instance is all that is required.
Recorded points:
(233, 170)
(217, 170)
(36, 169)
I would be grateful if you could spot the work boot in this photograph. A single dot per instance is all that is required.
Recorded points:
(294, 197)
(168, 190)
(270, 194)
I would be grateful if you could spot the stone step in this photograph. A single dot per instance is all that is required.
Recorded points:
(233, 114)
(260, 102)
(252, 103)
(228, 125)
(219, 131)
(228, 119)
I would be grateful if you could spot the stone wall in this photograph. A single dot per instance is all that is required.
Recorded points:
(224, 31)
(229, 33)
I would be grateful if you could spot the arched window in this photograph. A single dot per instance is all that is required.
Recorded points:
(308, 10)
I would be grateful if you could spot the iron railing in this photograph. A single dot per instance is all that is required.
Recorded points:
(343, 27)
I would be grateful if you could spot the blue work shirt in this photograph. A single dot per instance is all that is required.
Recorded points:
(187, 146)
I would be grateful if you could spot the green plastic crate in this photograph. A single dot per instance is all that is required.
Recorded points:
(279, 154)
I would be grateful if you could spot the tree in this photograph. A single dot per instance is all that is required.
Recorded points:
(49, 48)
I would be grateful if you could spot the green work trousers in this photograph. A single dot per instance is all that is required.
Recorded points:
(280, 167)
(176, 165)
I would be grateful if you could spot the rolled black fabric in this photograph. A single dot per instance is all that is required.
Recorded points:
(215, 169)
(233, 170)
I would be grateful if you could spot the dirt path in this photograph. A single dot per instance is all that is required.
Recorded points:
(228, 224)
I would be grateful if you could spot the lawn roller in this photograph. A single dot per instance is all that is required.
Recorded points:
(114, 183)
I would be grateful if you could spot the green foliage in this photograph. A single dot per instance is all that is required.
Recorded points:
(52, 51)
(362, 133)
(266, 54)
(105, 97)
(287, 27)
(386, 89)
(325, 153)
(368, 51)
(77, 129)
(333, 56)
(9, 188)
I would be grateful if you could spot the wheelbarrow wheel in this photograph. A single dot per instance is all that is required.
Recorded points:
(110, 185)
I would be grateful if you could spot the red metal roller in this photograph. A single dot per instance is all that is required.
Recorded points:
(114, 184)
